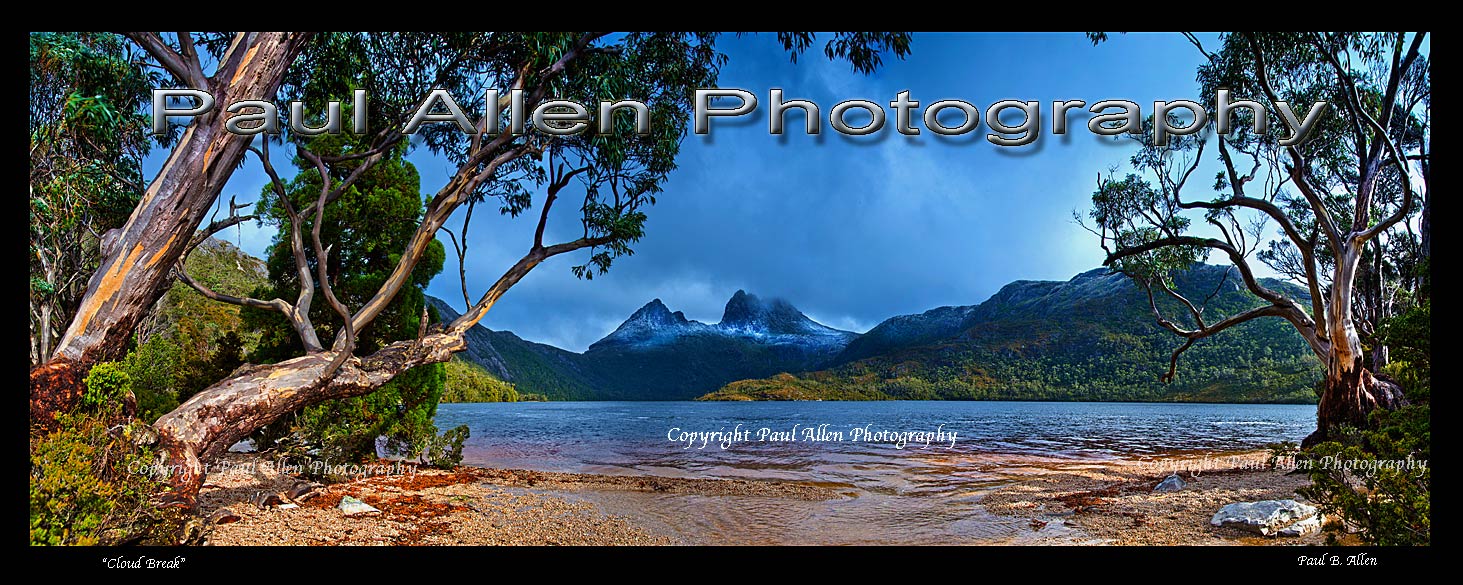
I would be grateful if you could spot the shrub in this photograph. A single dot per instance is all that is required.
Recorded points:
(445, 451)
(153, 367)
(345, 430)
(1377, 479)
(88, 485)
(107, 385)
(1359, 479)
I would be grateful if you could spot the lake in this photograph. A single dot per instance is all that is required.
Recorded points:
(926, 491)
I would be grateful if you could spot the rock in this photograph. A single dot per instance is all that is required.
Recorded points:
(1304, 527)
(223, 516)
(353, 507)
(1171, 483)
(265, 500)
(288, 506)
(304, 491)
(244, 446)
(1267, 517)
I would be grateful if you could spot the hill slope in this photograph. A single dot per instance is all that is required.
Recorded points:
(1090, 338)
(530, 367)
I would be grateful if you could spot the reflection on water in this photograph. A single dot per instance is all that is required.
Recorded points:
(913, 495)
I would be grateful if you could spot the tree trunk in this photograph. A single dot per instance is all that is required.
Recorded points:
(1350, 392)
(227, 412)
(45, 333)
(136, 265)
(1349, 397)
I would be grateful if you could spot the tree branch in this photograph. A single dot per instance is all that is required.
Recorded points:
(556, 185)
(180, 269)
(300, 312)
(190, 60)
(1285, 307)
(514, 274)
(170, 59)
(1297, 169)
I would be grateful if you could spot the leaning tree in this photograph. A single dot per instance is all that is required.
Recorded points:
(613, 174)
(1345, 200)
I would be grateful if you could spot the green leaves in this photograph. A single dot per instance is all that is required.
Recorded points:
(1131, 214)
(86, 146)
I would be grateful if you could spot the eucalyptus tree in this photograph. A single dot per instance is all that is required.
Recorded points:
(1345, 200)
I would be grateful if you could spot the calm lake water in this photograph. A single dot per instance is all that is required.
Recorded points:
(921, 493)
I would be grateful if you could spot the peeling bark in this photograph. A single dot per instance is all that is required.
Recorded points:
(227, 412)
(139, 257)
(136, 271)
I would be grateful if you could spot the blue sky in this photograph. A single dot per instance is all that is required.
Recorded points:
(852, 230)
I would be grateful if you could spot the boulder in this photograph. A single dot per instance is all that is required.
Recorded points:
(353, 507)
(304, 491)
(244, 446)
(1171, 483)
(223, 516)
(266, 499)
(1305, 527)
(1267, 517)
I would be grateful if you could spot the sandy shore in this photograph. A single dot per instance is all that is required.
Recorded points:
(1063, 502)
(1114, 503)
(467, 506)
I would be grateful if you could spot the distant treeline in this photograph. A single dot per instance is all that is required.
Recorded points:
(468, 382)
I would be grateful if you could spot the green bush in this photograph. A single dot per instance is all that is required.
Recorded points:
(1357, 478)
(345, 430)
(88, 485)
(153, 366)
(107, 385)
(445, 451)
(1377, 480)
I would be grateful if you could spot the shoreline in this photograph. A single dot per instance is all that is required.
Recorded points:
(464, 506)
(1113, 503)
(1063, 502)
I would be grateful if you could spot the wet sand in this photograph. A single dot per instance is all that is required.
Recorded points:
(466, 506)
(1114, 503)
(1049, 501)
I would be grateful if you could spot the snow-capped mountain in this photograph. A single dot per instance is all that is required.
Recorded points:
(659, 354)
(771, 322)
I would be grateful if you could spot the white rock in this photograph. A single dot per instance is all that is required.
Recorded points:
(353, 507)
(1304, 527)
(1171, 483)
(244, 446)
(1265, 517)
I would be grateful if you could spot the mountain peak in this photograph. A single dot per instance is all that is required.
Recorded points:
(748, 313)
(741, 308)
(657, 314)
